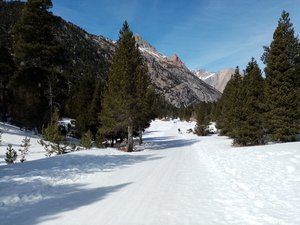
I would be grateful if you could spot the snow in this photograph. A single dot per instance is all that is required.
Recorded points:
(174, 179)
(209, 76)
(155, 54)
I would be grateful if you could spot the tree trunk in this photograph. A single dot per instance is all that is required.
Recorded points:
(130, 139)
(112, 141)
(141, 135)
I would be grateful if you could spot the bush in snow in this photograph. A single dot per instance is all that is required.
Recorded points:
(25, 148)
(100, 140)
(87, 140)
(11, 155)
(201, 130)
(52, 137)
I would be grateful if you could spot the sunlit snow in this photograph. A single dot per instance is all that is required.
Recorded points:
(173, 179)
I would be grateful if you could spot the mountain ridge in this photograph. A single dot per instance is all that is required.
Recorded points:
(218, 80)
(92, 54)
(173, 79)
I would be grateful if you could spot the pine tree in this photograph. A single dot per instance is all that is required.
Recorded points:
(229, 105)
(87, 140)
(144, 98)
(82, 103)
(95, 108)
(25, 148)
(249, 130)
(39, 57)
(11, 155)
(297, 76)
(52, 138)
(280, 89)
(7, 69)
(121, 108)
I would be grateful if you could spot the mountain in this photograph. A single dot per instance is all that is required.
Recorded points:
(90, 54)
(217, 80)
(173, 79)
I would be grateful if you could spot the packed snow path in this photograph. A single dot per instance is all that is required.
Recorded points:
(176, 179)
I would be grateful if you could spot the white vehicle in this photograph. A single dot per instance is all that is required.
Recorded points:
(212, 128)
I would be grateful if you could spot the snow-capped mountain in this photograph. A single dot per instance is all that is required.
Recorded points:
(173, 79)
(216, 79)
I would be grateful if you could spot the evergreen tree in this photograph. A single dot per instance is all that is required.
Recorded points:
(280, 90)
(203, 113)
(24, 148)
(7, 69)
(144, 98)
(121, 106)
(11, 155)
(230, 105)
(87, 140)
(95, 108)
(52, 138)
(39, 57)
(297, 75)
(203, 117)
(249, 130)
(82, 103)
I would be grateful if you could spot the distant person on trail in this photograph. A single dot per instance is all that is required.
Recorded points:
(179, 131)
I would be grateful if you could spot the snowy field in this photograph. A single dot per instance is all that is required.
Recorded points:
(175, 179)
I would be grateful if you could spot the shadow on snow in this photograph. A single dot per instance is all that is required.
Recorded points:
(40, 190)
(168, 142)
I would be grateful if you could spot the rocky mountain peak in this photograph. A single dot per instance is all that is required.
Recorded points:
(143, 44)
(174, 80)
(175, 60)
(218, 80)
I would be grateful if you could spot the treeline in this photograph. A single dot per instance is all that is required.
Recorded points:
(38, 71)
(254, 110)
(34, 87)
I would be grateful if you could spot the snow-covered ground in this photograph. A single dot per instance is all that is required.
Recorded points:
(174, 179)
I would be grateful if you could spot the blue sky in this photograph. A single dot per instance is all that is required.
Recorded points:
(205, 34)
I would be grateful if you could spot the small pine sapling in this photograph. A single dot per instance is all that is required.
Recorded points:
(11, 155)
(52, 138)
(25, 148)
(87, 140)
(100, 140)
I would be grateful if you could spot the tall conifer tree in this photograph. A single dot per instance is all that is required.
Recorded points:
(95, 108)
(297, 75)
(7, 69)
(280, 89)
(230, 105)
(82, 102)
(249, 129)
(121, 103)
(39, 57)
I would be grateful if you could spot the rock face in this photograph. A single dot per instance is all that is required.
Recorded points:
(174, 80)
(218, 80)
(85, 53)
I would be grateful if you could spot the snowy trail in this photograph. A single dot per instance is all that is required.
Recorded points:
(177, 179)
(154, 191)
